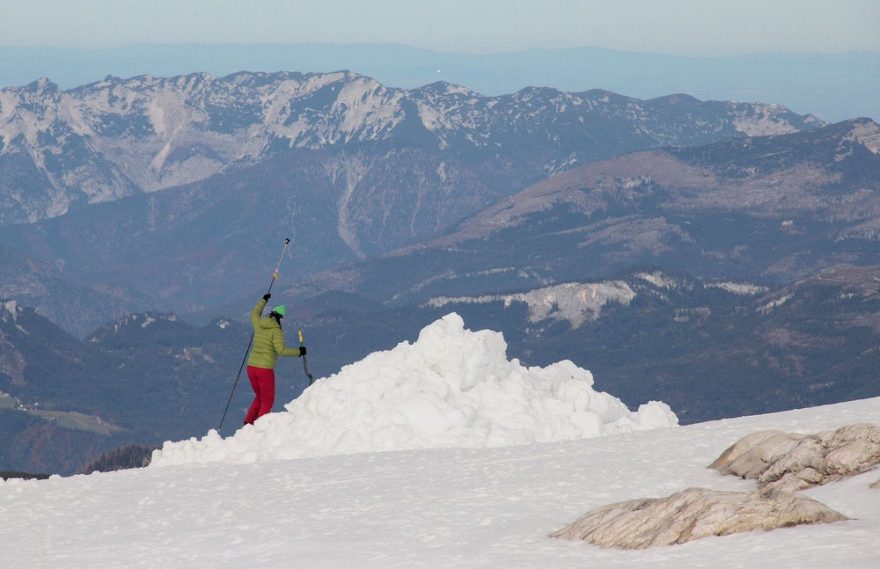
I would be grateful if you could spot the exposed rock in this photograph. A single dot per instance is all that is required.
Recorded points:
(693, 514)
(788, 461)
(781, 463)
(876, 485)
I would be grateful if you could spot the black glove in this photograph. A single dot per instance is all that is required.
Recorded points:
(267, 296)
(302, 351)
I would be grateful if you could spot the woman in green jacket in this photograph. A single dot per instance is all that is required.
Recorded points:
(268, 344)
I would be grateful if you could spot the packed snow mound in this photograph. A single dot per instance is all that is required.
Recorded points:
(451, 388)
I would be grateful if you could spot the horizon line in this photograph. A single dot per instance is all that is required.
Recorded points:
(437, 51)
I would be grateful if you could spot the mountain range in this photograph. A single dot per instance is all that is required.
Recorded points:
(770, 209)
(115, 138)
(152, 190)
(719, 256)
(835, 86)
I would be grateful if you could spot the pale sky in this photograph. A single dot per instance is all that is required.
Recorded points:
(687, 27)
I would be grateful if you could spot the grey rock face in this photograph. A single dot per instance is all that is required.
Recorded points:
(693, 514)
(787, 461)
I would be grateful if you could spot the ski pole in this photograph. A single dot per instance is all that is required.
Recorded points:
(305, 363)
(251, 342)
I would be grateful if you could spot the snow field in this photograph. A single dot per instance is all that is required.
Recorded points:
(451, 388)
(429, 508)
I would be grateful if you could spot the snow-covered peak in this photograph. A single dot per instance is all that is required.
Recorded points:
(320, 109)
(453, 387)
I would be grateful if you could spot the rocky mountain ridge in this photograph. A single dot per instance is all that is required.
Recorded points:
(776, 208)
(118, 137)
(346, 167)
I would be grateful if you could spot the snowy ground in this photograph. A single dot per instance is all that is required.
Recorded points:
(424, 508)
(311, 486)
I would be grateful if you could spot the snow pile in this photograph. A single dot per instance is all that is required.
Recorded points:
(451, 388)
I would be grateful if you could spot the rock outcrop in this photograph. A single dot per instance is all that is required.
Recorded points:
(788, 461)
(693, 514)
(782, 463)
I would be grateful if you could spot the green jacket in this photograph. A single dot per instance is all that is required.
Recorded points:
(268, 340)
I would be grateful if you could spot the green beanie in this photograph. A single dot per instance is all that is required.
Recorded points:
(280, 310)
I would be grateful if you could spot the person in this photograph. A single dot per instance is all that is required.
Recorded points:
(268, 344)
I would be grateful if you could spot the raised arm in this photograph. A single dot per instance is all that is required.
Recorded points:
(258, 311)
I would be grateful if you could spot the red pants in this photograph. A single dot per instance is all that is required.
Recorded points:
(263, 382)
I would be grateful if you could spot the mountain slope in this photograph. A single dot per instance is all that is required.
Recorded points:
(432, 508)
(146, 377)
(116, 137)
(345, 166)
(777, 208)
(709, 348)
(75, 307)
(58, 404)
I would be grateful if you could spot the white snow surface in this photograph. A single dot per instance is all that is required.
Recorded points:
(453, 387)
(11, 307)
(746, 289)
(762, 120)
(658, 279)
(574, 302)
(774, 304)
(432, 508)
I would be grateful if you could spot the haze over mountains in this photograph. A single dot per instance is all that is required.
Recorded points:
(832, 86)
(719, 256)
